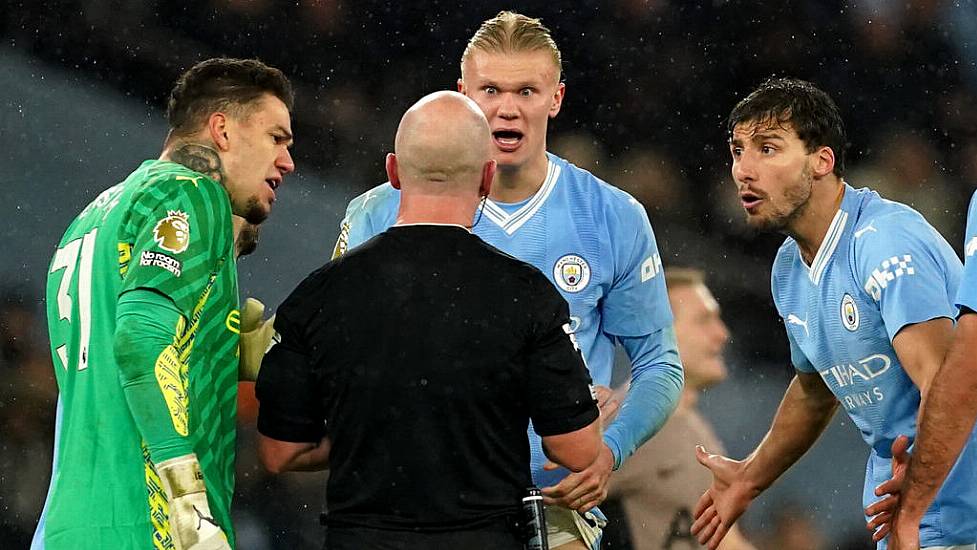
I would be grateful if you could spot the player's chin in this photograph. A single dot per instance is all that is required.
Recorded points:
(764, 224)
(256, 211)
(509, 161)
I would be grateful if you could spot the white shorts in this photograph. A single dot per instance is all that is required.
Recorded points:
(954, 547)
(564, 525)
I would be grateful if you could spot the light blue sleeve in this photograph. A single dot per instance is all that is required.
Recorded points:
(366, 216)
(781, 268)
(967, 293)
(908, 269)
(637, 302)
(656, 385)
(797, 357)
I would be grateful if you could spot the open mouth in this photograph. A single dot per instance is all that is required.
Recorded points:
(273, 183)
(750, 200)
(507, 140)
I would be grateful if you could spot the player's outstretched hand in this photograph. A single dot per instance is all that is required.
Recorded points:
(724, 502)
(192, 526)
(256, 336)
(585, 489)
(881, 512)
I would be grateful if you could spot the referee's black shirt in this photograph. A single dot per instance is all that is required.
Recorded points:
(423, 354)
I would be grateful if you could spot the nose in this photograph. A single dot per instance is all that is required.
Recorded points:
(722, 331)
(284, 162)
(507, 107)
(743, 169)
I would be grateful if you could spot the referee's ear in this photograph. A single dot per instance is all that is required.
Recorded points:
(391, 166)
(488, 175)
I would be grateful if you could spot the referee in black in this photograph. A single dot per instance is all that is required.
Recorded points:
(411, 366)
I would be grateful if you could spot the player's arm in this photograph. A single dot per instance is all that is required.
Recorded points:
(178, 245)
(804, 412)
(150, 373)
(946, 415)
(921, 348)
(945, 424)
(656, 386)
(636, 310)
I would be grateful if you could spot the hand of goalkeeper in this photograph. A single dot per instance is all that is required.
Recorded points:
(256, 336)
(192, 526)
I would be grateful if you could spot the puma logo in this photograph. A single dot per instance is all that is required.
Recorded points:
(202, 518)
(865, 229)
(795, 320)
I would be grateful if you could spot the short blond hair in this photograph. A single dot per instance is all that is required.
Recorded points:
(510, 32)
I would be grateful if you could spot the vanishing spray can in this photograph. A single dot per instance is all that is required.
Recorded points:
(535, 517)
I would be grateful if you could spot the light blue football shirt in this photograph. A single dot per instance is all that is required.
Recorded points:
(880, 268)
(595, 243)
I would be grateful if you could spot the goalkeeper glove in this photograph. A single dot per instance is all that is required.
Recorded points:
(256, 337)
(192, 526)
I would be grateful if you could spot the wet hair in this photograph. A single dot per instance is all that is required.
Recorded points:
(510, 32)
(803, 106)
(223, 85)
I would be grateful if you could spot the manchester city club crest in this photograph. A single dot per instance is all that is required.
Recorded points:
(849, 313)
(571, 273)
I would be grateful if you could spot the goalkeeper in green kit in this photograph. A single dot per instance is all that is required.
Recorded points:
(142, 302)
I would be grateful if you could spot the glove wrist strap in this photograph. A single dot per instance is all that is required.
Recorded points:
(181, 476)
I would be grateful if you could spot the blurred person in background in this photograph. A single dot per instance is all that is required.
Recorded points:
(793, 529)
(865, 288)
(143, 318)
(659, 485)
(650, 499)
(592, 240)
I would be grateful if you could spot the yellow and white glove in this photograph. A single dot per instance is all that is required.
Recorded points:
(256, 338)
(192, 526)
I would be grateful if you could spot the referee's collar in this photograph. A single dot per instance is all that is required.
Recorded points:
(432, 224)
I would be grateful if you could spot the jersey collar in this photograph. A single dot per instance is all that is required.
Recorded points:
(831, 239)
(511, 222)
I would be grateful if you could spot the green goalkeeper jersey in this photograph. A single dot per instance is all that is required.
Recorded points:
(166, 229)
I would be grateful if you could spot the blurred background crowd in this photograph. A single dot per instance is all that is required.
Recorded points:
(83, 86)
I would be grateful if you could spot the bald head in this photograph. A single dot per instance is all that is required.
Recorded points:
(443, 141)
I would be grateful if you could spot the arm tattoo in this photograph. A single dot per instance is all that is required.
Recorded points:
(200, 158)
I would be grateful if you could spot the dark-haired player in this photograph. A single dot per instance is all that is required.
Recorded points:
(866, 289)
(143, 317)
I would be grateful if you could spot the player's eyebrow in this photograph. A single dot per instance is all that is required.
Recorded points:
(287, 135)
(766, 136)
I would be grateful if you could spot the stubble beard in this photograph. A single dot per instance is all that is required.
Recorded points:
(252, 211)
(795, 200)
